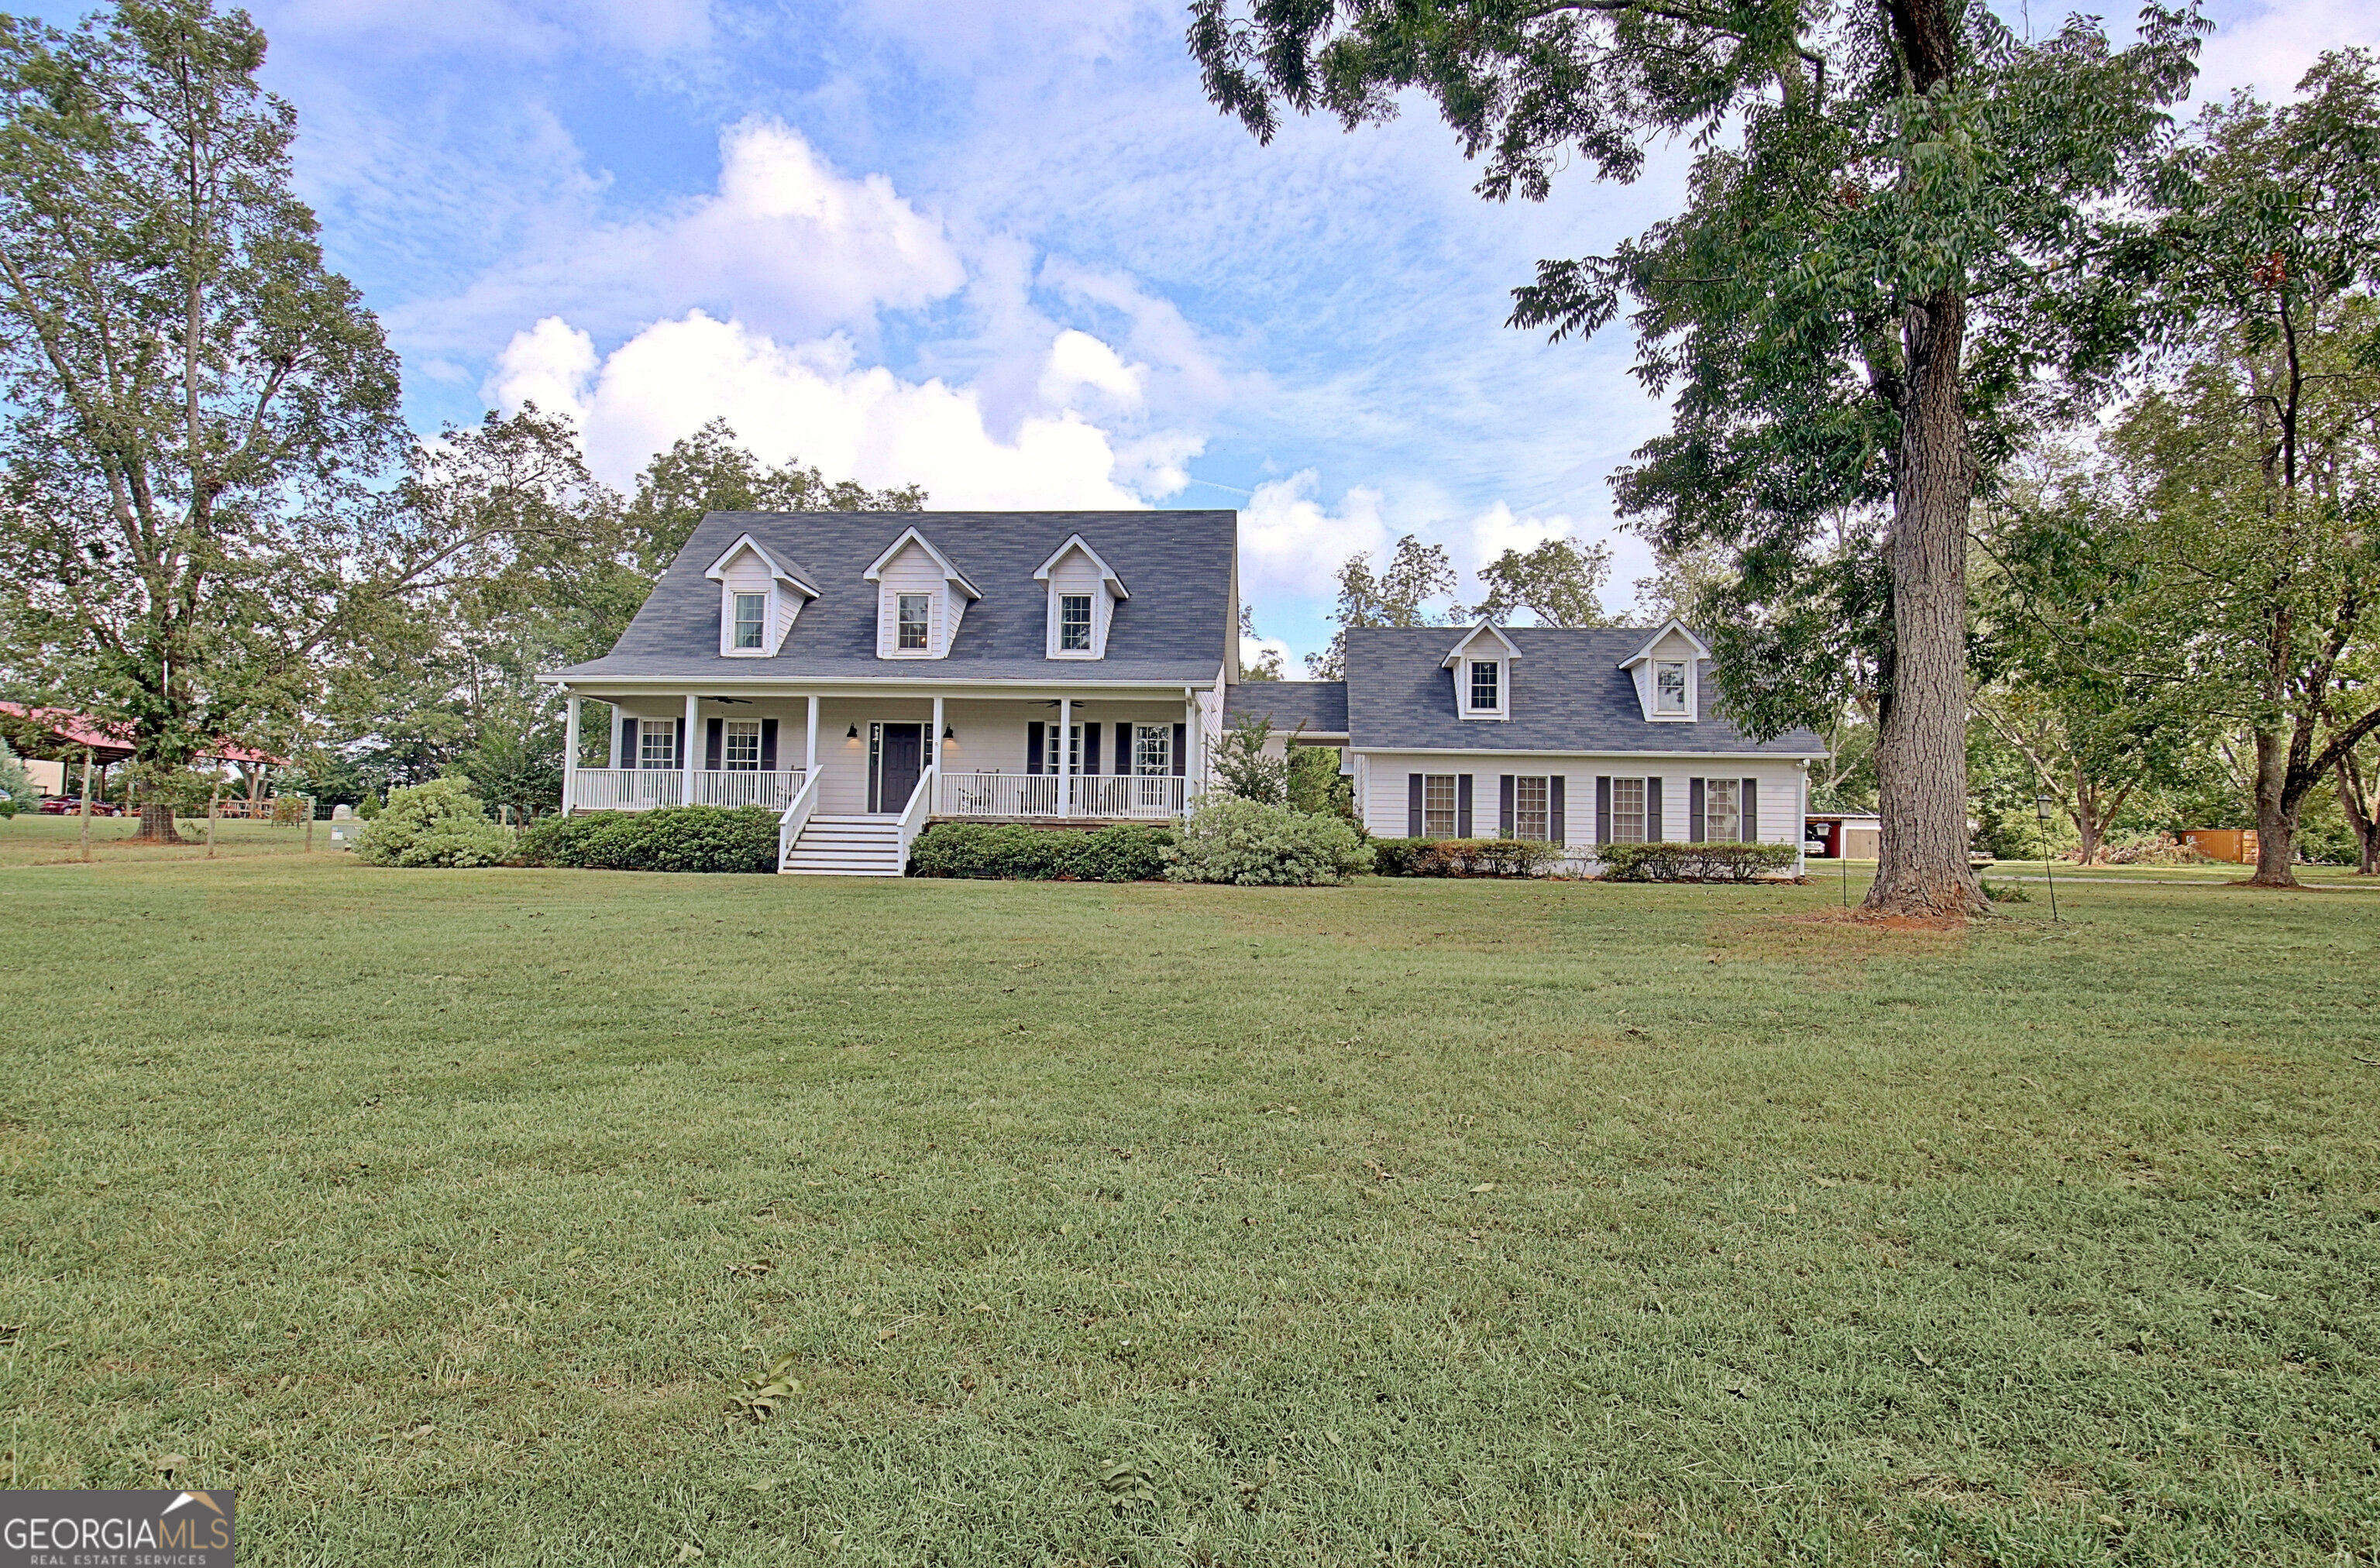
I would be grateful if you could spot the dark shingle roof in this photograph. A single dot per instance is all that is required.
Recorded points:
(1177, 566)
(1315, 707)
(1568, 694)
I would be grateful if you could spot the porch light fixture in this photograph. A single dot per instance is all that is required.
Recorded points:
(852, 733)
(948, 733)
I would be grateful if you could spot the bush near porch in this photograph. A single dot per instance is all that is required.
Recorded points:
(1693, 862)
(676, 838)
(1463, 856)
(1120, 853)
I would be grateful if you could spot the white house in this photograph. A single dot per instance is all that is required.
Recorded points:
(865, 673)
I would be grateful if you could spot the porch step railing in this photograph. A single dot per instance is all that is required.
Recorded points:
(1042, 794)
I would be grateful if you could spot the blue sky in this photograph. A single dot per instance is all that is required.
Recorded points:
(1002, 248)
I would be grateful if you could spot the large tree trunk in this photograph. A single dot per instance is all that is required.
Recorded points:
(2362, 815)
(1921, 759)
(157, 822)
(2276, 813)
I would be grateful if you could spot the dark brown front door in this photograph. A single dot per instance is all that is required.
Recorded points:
(900, 758)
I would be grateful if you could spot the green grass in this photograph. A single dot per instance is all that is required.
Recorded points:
(442, 1213)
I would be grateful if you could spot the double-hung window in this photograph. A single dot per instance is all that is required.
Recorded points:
(913, 615)
(1074, 623)
(1628, 811)
(657, 743)
(1486, 685)
(740, 751)
(1532, 808)
(1437, 806)
(751, 619)
(1073, 758)
(1669, 686)
(1723, 810)
(1152, 750)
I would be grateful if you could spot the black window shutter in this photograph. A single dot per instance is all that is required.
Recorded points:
(678, 756)
(627, 744)
(1413, 805)
(768, 746)
(1033, 746)
(1602, 809)
(1462, 805)
(1556, 819)
(1751, 829)
(1504, 806)
(714, 744)
(1123, 747)
(1182, 751)
(1091, 748)
(1653, 811)
(1697, 812)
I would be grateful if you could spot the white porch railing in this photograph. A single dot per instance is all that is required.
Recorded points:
(627, 789)
(745, 786)
(914, 815)
(1128, 795)
(1104, 796)
(797, 816)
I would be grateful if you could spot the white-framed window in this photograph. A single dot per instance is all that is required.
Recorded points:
(1152, 750)
(1437, 806)
(913, 621)
(1628, 811)
(751, 620)
(1074, 750)
(1669, 686)
(740, 747)
(657, 743)
(1533, 812)
(1486, 685)
(1723, 810)
(1074, 623)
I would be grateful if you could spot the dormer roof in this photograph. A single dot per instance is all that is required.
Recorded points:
(1461, 649)
(1701, 649)
(784, 571)
(1077, 541)
(909, 536)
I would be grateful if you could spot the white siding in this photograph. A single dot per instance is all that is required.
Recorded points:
(913, 571)
(1075, 574)
(1382, 789)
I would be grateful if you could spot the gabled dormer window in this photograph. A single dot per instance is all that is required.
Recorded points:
(759, 595)
(1083, 593)
(1482, 664)
(1667, 672)
(920, 599)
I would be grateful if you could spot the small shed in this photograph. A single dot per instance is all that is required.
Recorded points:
(1842, 835)
(2235, 845)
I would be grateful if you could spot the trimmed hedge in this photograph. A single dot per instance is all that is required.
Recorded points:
(440, 823)
(1120, 853)
(1463, 856)
(1693, 862)
(1260, 846)
(676, 838)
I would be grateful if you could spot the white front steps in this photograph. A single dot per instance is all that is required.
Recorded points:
(846, 846)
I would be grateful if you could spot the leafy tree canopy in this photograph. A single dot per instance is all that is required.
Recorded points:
(712, 471)
(1559, 583)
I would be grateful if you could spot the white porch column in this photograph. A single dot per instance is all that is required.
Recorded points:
(569, 755)
(934, 736)
(809, 747)
(1065, 757)
(1193, 767)
(693, 747)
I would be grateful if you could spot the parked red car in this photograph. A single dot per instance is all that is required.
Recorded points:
(71, 805)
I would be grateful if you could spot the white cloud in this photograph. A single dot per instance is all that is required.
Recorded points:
(2271, 48)
(785, 244)
(1079, 362)
(812, 401)
(1291, 544)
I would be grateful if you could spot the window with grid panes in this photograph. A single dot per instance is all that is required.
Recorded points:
(740, 751)
(1628, 811)
(657, 743)
(1074, 751)
(1152, 750)
(1723, 809)
(1437, 806)
(1668, 688)
(751, 619)
(913, 614)
(1486, 685)
(1532, 808)
(1074, 623)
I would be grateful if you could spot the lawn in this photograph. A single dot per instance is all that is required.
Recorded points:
(443, 1214)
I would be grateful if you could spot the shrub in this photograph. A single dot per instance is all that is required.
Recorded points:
(1693, 862)
(1255, 844)
(676, 838)
(438, 823)
(1121, 853)
(1463, 856)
